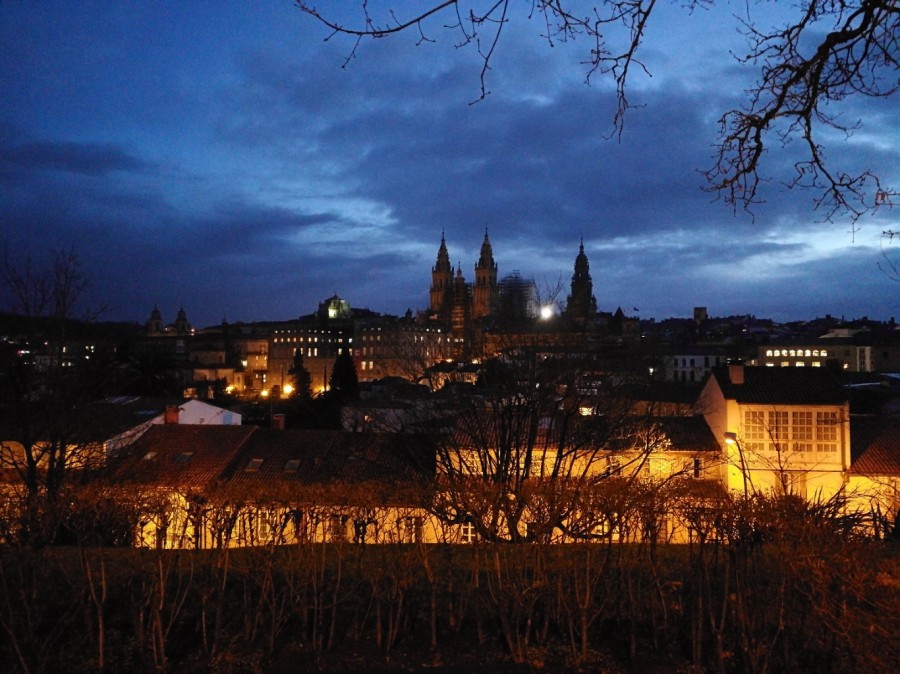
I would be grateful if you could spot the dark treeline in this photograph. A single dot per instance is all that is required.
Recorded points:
(767, 585)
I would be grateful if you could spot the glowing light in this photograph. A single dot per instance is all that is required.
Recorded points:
(546, 312)
(288, 389)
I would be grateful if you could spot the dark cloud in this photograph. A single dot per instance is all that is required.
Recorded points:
(83, 158)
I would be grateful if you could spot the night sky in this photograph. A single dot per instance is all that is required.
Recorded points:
(216, 156)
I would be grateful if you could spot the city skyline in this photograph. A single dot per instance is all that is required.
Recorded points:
(220, 159)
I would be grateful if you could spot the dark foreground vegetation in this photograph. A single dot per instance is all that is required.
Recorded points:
(782, 591)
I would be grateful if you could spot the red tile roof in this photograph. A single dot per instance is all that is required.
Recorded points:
(256, 459)
(690, 434)
(315, 457)
(180, 456)
(875, 445)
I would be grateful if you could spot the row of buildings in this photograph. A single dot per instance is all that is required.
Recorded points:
(752, 407)
(474, 321)
(439, 474)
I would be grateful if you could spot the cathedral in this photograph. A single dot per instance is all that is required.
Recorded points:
(456, 303)
(465, 308)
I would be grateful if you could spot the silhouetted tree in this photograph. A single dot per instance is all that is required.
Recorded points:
(344, 381)
(302, 379)
(44, 391)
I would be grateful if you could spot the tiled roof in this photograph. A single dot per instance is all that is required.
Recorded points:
(180, 456)
(875, 445)
(255, 459)
(691, 434)
(781, 386)
(315, 457)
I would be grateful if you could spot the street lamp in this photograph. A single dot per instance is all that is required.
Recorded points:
(732, 440)
(266, 394)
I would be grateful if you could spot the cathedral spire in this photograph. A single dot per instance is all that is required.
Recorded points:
(581, 306)
(485, 292)
(486, 260)
(441, 281)
(443, 257)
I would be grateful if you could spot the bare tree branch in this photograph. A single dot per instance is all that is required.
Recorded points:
(856, 57)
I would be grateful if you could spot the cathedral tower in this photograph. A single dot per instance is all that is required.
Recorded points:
(441, 294)
(581, 306)
(485, 292)
(155, 325)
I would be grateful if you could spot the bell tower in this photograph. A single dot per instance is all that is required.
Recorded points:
(581, 306)
(485, 292)
(441, 294)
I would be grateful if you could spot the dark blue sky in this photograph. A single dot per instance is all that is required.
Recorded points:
(216, 156)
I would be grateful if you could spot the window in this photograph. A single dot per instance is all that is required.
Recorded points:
(613, 466)
(292, 466)
(698, 468)
(253, 465)
(184, 457)
(826, 432)
(410, 529)
(467, 532)
(754, 431)
(802, 431)
(337, 529)
(266, 527)
(778, 430)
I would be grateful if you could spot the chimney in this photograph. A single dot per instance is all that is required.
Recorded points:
(736, 373)
(171, 414)
(278, 421)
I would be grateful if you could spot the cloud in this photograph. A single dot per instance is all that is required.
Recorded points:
(83, 158)
(253, 176)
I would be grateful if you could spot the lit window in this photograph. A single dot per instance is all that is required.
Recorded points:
(802, 431)
(826, 431)
(754, 434)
